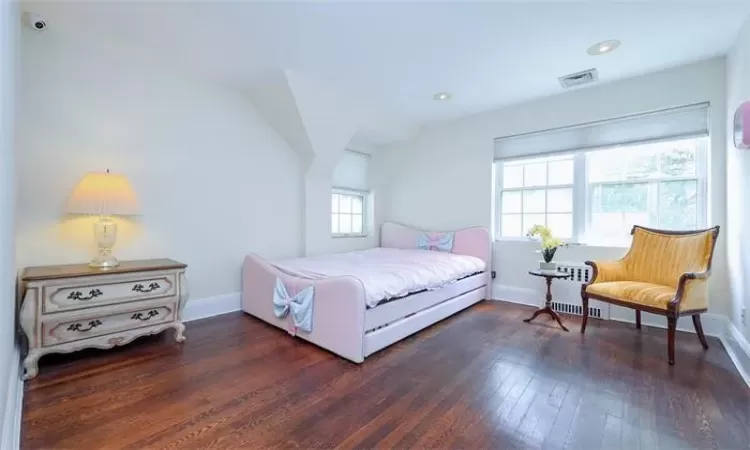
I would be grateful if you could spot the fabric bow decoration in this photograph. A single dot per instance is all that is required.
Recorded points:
(442, 242)
(299, 308)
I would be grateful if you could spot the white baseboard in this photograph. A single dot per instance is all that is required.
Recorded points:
(512, 294)
(738, 349)
(11, 431)
(713, 324)
(202, 308)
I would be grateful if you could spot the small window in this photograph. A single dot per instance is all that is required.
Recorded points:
(348, 213)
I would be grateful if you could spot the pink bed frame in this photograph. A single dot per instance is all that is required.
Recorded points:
(341, 321)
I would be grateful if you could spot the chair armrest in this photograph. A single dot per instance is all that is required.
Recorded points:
(692, 292)
(694, 276)
(605, 271)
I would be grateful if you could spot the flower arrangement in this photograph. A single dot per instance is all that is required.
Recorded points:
(549, 242)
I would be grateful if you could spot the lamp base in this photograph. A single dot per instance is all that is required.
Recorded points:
(105, 231)
(104, 263)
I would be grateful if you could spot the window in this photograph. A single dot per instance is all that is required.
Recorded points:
(656, 185)
(347, 213)
(537, 191)
(598, 195)
(350, 196)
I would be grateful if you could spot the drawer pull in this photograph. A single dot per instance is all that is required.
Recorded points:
(78, 295)
(151, 287)
(149, 315)
(77, 326)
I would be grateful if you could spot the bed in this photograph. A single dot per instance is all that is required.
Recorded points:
(357, 303)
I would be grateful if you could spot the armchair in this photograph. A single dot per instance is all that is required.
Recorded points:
(664, 272)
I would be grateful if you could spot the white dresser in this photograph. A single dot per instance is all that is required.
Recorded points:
(71, 307)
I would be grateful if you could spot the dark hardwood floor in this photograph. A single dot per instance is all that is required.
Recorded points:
(482, 379)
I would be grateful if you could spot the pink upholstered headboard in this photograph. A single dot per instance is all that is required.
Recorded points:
(474, 241)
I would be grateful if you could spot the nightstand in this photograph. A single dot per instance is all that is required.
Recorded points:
(72, 307)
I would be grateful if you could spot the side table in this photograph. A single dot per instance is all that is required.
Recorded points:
(548, 276)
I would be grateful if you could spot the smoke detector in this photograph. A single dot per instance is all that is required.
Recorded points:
(579, 78)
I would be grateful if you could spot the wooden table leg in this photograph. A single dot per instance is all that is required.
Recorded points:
(547, 307)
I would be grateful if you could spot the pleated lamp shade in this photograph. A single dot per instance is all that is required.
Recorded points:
(103, 194)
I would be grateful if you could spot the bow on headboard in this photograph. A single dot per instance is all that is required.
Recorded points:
(442, 242)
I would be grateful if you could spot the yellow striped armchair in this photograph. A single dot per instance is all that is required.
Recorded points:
(664, 272)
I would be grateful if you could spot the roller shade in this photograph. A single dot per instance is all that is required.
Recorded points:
(351, 171)
(670, 124)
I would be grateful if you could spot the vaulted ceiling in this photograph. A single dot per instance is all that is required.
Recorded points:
(388, 59)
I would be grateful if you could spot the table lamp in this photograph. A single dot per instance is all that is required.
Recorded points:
(103, 194)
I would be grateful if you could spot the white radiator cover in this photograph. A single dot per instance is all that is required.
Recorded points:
(566, 293)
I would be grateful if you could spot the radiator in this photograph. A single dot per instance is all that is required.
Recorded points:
(566, 294)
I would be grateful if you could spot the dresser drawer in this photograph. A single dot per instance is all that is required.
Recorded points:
(74, 294)
(68, 330)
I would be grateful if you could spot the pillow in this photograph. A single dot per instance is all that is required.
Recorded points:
(441, 242)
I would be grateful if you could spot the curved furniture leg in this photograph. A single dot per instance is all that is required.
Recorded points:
(557, 318)
(585, 301)
(638, 319)
(535, 315)
(30, 364)
(179, 334)
(699, 330)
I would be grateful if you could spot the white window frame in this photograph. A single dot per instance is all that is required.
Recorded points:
(365, 196)
(582, 192)
(546, 187)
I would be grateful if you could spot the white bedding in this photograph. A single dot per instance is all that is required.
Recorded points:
(387, 273)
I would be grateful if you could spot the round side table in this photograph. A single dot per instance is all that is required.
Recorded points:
(548, 276)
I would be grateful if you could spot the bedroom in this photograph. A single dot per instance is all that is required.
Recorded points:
(237, 125)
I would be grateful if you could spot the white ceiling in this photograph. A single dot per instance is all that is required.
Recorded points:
(392, 57)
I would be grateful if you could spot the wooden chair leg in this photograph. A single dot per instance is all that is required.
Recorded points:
(699, 330)
(638, 318)
(671, 327)
(585, 301)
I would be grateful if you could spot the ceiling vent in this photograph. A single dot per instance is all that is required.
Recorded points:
(579, 78)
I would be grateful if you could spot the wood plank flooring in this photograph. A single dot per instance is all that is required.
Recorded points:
(481, 379)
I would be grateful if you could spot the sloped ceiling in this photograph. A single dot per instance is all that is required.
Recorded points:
(389, 58)
(312, 117)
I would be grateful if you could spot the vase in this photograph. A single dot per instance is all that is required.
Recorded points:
(547, 266)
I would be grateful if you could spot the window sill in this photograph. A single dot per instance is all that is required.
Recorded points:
(339, 236)
(624, 246)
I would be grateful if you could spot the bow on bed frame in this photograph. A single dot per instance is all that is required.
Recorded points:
(298, 307)
(442, 242)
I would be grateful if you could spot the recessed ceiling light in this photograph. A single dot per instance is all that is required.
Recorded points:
(603, 47)
(440, 96)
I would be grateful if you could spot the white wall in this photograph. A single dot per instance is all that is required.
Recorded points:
(9, 364)
(319, 241)
(214, 180)
(442, 179)
(738, 182)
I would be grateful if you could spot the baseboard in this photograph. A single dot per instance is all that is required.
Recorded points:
(713, 324)
(512, 294)
(738, 349)
(202, 308)
(11, 437)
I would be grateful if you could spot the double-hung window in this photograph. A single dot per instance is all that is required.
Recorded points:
(350, 196)
(594, 182)
(537, 191)
(659, 185)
